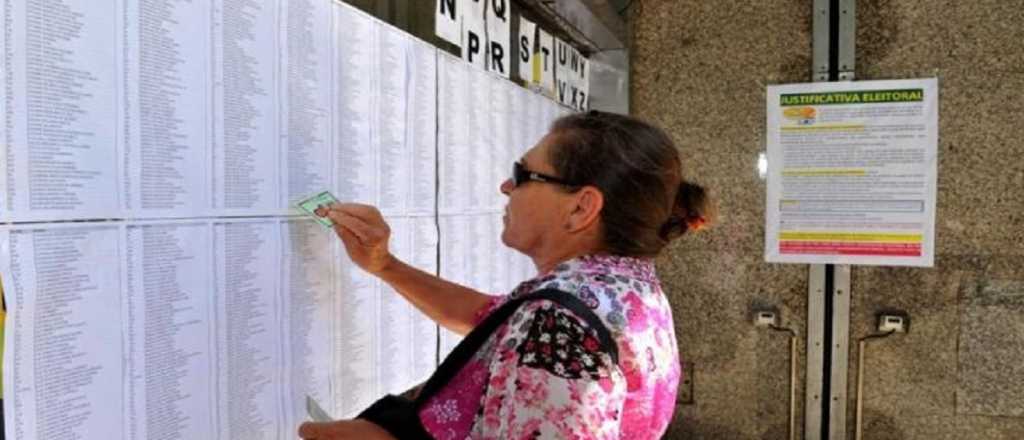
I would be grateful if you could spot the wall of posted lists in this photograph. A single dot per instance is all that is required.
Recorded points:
(159, 283)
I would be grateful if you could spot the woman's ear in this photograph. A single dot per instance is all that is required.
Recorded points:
(586, 209)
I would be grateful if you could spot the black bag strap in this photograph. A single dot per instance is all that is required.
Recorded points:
(476, 338)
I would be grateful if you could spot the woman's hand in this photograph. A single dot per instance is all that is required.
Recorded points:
(364, 232)
(342, 430)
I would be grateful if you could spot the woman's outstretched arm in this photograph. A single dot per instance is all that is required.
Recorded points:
(365, 234)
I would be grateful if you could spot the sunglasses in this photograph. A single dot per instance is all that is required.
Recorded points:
(521, 175)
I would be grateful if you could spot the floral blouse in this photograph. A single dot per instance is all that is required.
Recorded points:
(543, 374)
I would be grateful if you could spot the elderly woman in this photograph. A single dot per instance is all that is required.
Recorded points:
(592, 204)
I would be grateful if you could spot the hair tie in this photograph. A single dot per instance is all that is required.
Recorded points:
(696, 222)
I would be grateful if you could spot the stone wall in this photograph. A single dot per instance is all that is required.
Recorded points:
(699, 70)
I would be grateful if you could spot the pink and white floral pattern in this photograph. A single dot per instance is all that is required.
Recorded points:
(541, 375)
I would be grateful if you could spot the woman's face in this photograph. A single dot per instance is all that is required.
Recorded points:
(535, 210)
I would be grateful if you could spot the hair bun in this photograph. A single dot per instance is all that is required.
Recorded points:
(691, 211)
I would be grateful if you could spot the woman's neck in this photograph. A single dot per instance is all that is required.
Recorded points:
(547, 263)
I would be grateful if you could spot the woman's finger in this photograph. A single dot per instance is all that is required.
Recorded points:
(348, 237)
(312, 430)
(366, 213)
(364, 232)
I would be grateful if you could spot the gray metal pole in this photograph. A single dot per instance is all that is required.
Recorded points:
(828, 301)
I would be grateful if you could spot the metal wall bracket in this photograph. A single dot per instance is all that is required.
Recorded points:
(828, 291)
(828, 304)
(815, 356)
(820, 35)
(846, 58)
(685, 395)
(840, 350)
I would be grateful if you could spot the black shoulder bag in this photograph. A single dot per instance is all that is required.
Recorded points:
(400, 415)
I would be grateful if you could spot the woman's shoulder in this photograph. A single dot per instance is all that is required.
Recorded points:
(544, 334)
(623, 292)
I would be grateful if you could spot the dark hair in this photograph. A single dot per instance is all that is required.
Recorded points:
(637, 168)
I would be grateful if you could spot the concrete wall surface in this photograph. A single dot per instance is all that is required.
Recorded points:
(699, 70)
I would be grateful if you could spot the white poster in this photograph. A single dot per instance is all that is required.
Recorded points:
(474, 33)
(499, 37)
(527, 36)
(544, 62)
(852, 173)
(448, 21)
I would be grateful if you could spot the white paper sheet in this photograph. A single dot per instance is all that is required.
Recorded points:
(166, 139)
(395, 349)
(248, 328)
(245, 144)
(63, 346)
(453, 136)
(520, 134)
(499, 143)
(499, 37)
(178, 115)
(501, 256)
(478, 158)
(547, 61)
(167, 304)
(307, 283)
(539, 123)
(525, 45)
(481, 258)
(305, 111)
(852, 171)
(474, 33)
(448, 21)
(393, 148)
(422, 128)
(570, 76)
(356, 310)
(354, 61)
(425, 331)
(61, 150)
(4, 132)
(456, 265)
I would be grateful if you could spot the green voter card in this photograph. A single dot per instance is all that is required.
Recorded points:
(309, 205)
(316, 413)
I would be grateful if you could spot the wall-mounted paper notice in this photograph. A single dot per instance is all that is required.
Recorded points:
(448, 21)
(474, 33)
(159, 280)
(525, 48)
(305, 106)
(63, 338)
(167, 138)
(545, 62)
(60, 149)
(570, 76)
(355, 62)
(245, 102)
(167, 310)
(499, 37)
(852, 170)
(394, 170)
